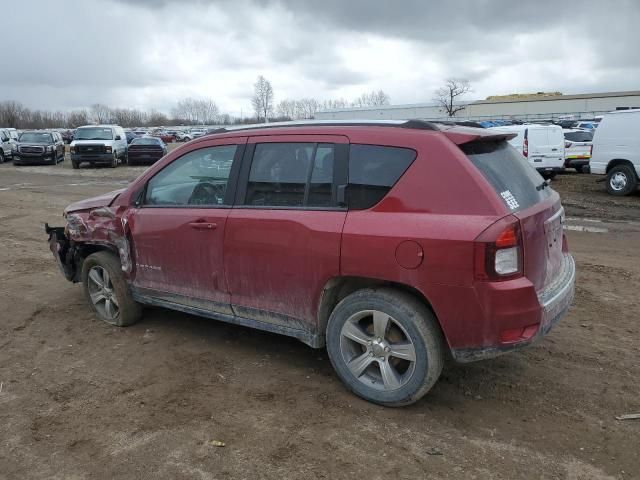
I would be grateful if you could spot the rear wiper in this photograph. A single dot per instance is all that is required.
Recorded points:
(542, 186)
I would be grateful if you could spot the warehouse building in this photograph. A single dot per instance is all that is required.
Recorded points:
(515, 107)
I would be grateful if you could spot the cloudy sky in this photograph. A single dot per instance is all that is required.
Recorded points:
(65, 54)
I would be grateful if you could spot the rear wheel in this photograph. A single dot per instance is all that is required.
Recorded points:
(621, 180)
(107, 291)
(385, 345)
(75, 164)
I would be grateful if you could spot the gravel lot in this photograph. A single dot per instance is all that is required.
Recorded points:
(80, 399)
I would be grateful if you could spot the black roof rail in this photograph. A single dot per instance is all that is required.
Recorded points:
(412, 124)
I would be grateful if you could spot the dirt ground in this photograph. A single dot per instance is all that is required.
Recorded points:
(80, 399)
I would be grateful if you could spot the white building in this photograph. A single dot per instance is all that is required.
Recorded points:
(549, 107)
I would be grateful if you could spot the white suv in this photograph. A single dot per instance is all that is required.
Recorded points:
(616, 151)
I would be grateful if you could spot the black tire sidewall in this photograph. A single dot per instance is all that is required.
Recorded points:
(403, 314)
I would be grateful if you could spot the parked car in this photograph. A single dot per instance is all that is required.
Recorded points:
(591, 125)
(130, 136)
(38, 146)
(6, 145)
(542, 145)
(164, 136)
(99, 144)
(193, 133)
(67, 136)
(577, 148)
(183, 136)
(146, 150)
(341, 234)
(616, 151)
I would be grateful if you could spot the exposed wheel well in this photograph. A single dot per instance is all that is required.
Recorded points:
(338, 288)
(83, 250)
(619, 161)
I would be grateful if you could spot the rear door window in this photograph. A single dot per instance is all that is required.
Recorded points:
(373, 170)
(515, 181)
(289, 175)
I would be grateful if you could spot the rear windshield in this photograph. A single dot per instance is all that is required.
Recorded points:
(517, 183)
(579, 136)
(145, 141)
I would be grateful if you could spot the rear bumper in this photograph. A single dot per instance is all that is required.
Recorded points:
(576, 162)
(553, 303)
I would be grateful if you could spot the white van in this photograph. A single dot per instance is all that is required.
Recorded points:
(99, 144)
(616, 151)
(542, 145)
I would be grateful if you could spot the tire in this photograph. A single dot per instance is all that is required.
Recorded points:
(621, 180)
(126, 311)
(1, 157)
(114, 161)
(75, 164)
(409, 323)
(54, 159)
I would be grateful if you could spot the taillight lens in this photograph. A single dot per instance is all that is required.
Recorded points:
(498, 251)
(525, 148)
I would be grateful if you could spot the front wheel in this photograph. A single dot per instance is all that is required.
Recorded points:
(621, 180)
(107, 291)
(385, 345)
(114, 161)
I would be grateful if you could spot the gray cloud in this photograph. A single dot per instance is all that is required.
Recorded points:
(150, 53)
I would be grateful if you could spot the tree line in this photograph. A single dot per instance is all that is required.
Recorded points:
(188, 111)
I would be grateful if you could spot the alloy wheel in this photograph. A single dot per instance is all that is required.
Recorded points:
(102, 293)
(377, 350)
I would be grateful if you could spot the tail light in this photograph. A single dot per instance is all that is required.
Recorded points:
(525, 147)
(591, 150)
(498, 251)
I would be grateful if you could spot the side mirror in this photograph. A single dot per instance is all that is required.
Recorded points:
(118, 137)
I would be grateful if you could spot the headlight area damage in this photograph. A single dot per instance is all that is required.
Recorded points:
(85, 233)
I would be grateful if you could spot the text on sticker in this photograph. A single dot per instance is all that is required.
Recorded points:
(510, 200)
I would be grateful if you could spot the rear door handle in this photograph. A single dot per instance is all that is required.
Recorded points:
(203, 225)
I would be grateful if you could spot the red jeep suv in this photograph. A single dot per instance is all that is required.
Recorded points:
(392, 243)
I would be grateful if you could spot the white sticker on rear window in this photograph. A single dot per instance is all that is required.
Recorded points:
(510, 200)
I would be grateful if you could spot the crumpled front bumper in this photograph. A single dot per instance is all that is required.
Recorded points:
(64, 252)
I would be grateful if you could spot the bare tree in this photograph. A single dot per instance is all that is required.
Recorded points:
(372, 99)
(11, 113)
(101, 113)
(447, 96)
(287, 109)
(262, 100)
(77, 118)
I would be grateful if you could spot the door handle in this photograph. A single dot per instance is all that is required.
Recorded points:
(203, 225)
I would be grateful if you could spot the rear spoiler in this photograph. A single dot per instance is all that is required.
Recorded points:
(461, 135)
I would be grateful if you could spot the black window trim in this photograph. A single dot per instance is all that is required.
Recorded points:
(340, 169)
(232, 182)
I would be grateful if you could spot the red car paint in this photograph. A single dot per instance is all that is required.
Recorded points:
(273, 266)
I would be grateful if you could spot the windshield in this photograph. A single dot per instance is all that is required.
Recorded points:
(509, 173)
(145, 141)
(579, 136)
(93, 133)
(36, 137)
